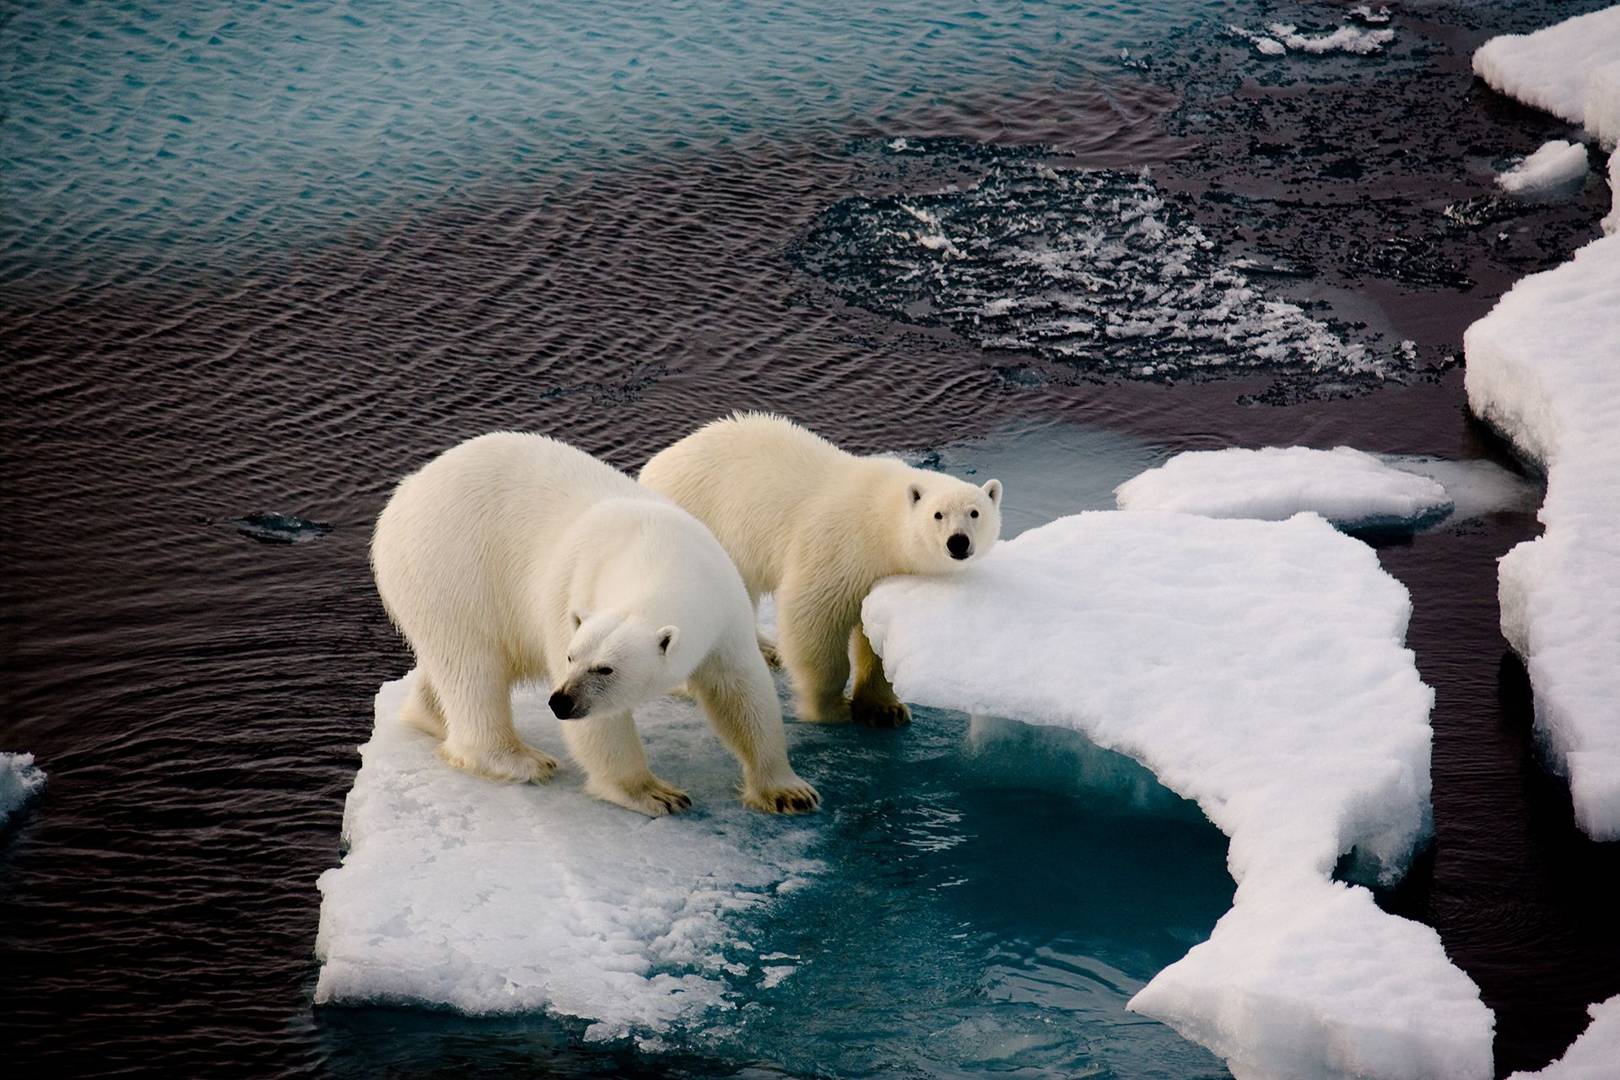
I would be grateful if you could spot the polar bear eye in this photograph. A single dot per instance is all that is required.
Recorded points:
(973, 513)
(604, 670)
(938, 516)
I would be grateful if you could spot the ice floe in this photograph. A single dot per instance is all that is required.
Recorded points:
(1352, 489)
(1571, 69)
(1543, 367)
(1593, 1056)
(1557, 164)
(496, 898)
(1259, 669)
(20, 781)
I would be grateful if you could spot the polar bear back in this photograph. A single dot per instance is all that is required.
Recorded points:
(756, 480)
(467, 526)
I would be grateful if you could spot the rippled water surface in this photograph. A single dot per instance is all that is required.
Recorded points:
(257, 260)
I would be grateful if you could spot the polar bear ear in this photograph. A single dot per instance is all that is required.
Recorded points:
(575, 618)
(667, 637)
(992, 488)
(916, 494)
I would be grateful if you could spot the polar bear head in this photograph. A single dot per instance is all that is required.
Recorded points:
(948, 521)
(615, 661)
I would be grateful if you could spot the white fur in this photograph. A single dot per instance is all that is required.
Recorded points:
(819, 527)
(515, 557)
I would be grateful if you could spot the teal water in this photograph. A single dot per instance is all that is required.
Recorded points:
(211, 134)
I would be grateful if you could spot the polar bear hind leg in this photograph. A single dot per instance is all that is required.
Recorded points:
(815, 650)
(608, 749)
(480, 738)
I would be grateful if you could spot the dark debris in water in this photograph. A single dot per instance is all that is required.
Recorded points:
(1094, 269)
(269, 528)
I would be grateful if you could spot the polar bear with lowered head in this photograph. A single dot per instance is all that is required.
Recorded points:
(819, 527)
(514, 557)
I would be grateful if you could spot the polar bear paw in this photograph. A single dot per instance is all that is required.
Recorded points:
(886, 714)
(650, 796)
(793, 796)
(521, 765)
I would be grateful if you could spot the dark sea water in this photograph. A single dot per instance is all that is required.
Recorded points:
(262, 259)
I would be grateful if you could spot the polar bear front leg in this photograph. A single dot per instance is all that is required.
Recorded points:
(479, 736)
(615, 764)
(813, 636)
(874, 702)
(741, 705)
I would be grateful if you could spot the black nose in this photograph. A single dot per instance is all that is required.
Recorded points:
(957, 545)
(562, 705)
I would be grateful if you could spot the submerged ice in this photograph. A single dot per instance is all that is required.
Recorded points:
(1352, 489)
(20, 782)
(1094, 269)
(1276, 693)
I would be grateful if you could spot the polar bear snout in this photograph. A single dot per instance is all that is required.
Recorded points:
(959, 546)
(562, 705)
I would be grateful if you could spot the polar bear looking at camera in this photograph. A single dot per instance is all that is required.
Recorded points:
(819, 527)
(516, 557)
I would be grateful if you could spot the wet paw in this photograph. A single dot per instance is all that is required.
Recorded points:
(887, 714)
(794, 797)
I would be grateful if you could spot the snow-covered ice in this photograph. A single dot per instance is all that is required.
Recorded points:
(1557, 164)
(506, 898)
(1571, 69)
(1544, 368)
(1593, 1056)
(1257, 668)
(1352, 489)
(20, 781)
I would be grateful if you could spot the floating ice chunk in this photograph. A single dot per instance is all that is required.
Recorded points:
(1569, 69)
(498, 898)
(1366, 14)
(20, 781)
(1351, 489)
(1593, 1055)
(1544, 369)
(1555, 165)
(1350, 39)
(1285, 37)
(1258, 669)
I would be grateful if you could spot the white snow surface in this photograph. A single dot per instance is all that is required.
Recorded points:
(1593, 1056)
(1544, 368)
(20, 781)
(1257, 668)
(494, 898)
(1571, 69)
(1555, 165)
(1348, 487)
